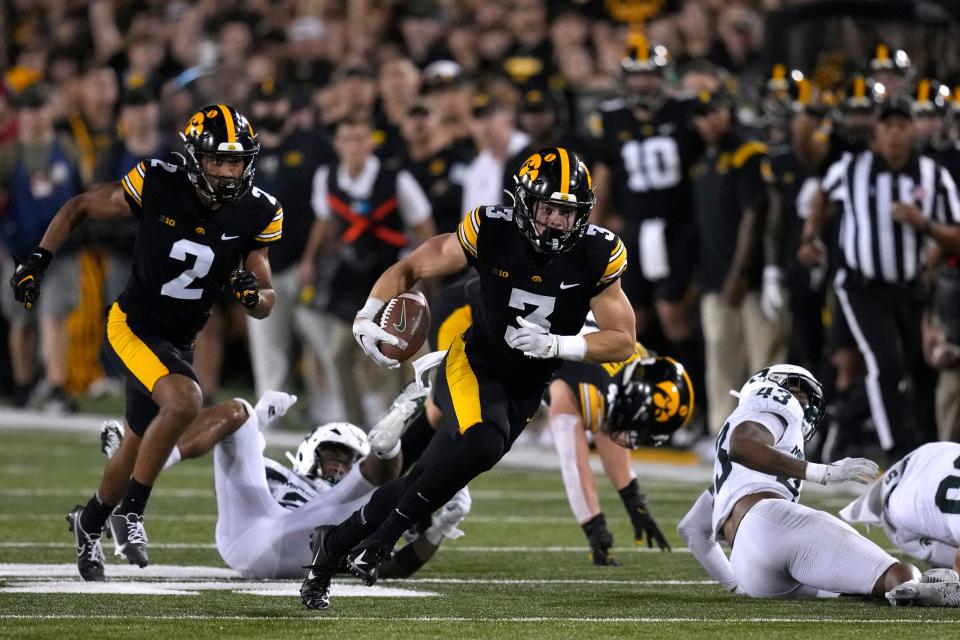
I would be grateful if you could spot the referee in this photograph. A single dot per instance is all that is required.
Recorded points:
(899, 210)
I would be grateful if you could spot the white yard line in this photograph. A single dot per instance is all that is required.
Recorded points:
(322, 617)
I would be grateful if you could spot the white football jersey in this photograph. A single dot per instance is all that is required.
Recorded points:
(288, 488)
(778, 411)
(921, 494)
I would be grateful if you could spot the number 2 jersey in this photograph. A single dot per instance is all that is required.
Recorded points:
(184, 253)
(551, 290)
(776, 409)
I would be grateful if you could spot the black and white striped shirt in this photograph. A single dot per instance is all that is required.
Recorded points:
(871, 242)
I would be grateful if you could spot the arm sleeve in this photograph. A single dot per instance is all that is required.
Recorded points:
(696, 529)
(133, 188)
(273, 230)
(615, 266)
(468, 232)
(413, 202)
(318, 198)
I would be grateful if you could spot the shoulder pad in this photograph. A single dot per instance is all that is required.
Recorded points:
(770, 398)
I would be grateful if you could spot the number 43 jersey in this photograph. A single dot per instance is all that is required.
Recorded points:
(184, 253)
(780, 413)
(553, 291)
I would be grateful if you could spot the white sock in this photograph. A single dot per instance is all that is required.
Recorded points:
(173, 458)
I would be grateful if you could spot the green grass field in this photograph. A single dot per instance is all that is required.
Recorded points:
(521, 570)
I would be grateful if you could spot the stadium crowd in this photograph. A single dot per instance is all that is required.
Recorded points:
(383, 123)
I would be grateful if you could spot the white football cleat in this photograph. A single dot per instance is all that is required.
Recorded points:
(272, 405)
(925, 594)
(385, 435)
(939, 575)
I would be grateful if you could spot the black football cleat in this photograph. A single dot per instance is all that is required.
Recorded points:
(129, 537)
(364, 560)
(315, 590)
(89, 549)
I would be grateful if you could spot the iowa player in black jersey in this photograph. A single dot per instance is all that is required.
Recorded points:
(647, 147)
(202, 226)
(542, 268)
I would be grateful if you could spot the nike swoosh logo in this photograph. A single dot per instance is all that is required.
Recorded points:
(400, 326)
(226, 237)
(564, 285)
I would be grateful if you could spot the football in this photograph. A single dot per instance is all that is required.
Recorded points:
(408, 317)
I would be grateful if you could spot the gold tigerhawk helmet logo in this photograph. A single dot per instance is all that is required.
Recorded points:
(666, 402)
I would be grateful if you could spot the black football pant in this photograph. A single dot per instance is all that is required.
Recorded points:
(482, 419)
(884, 321)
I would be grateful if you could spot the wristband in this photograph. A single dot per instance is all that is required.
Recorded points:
(571, 347)
(370, 309)
(816, 472)
(43, 257)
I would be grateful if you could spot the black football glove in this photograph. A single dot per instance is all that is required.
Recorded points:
(644, 524)
(246, 288)
(28, 275)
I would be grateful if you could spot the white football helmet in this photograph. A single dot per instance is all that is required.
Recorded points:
(792, 378)
(306, 461)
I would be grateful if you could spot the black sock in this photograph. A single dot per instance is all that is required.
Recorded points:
(633, 501)
(135, 500)
(597, 533)
(94, 514)
(365, 520)
(415, 439)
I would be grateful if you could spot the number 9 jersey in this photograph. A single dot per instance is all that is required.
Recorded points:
(184, 253)
(782, 415)
(551, 290)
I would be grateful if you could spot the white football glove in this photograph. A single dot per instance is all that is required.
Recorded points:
(446, 519)
(771, 295)
(537, 342)
(368, 334)
(849, 469)
(273, 404)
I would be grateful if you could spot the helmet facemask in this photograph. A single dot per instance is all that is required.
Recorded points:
(549, 239)
(220, 189)
(330, 451)
(801, 384)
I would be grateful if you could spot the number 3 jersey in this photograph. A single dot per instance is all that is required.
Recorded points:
(553, 291)
(184, 253)
(781, 414)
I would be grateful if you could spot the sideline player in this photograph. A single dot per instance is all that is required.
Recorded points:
(542, 268)
(780, 548)
(202, 225)
(266, 511)
(917, 502)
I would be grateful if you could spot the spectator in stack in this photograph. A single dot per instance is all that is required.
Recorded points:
(93, 126)
(38, 174)
(941, 346)
(447, 94)
(819, 140)
(730, 188)
(894, 203)
(496, 136)
(541, 118)
(530, 61)
(289, 158)
(933, 127)
(439, 169)
(890, 72)
(364, 211)
(421, 30)
(399, 87)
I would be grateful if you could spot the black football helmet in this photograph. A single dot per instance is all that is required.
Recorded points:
(220, 130)
(650, 61)
(559, 177)
(654, 399)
